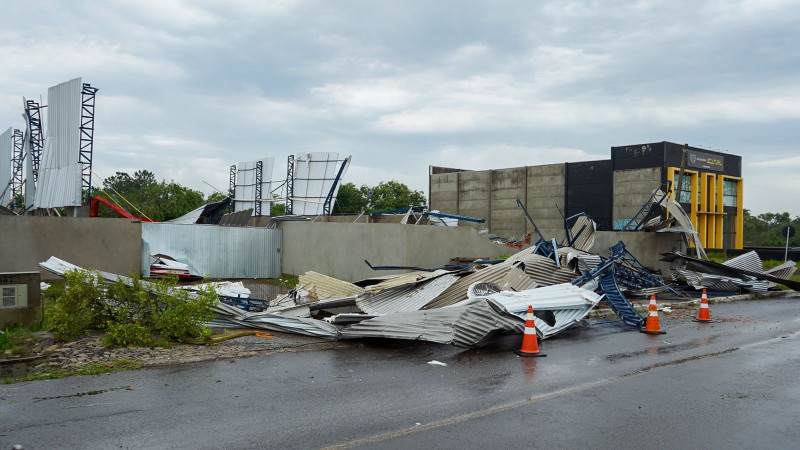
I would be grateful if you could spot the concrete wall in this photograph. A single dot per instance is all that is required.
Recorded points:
(492, 195)
(339, 249)
(546, 186)
(111, 245)
(508, 185)
(474, 196)
(444, 192)
(631, 189)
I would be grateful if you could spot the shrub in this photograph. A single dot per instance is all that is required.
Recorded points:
(138, 313)
(80, 307)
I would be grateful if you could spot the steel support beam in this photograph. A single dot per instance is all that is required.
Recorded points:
(87, 137)
(259, 176)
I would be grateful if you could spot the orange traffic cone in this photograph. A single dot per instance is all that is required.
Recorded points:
(704, 315)
(653, 326)
(530, 341)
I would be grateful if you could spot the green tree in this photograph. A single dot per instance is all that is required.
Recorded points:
(765, 229)
(392, 195)
(350, 199)
(216, 197)
(159, 201)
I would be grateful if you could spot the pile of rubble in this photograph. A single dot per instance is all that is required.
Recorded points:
(466, 305)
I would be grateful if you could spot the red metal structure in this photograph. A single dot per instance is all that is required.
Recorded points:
(94, 206)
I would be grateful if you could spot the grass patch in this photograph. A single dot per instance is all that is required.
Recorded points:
(93, 368)
(286, 280)
(17, 342)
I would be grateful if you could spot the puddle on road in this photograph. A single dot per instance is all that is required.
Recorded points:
(664, 349)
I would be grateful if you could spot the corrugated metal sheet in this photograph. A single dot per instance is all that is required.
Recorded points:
(458, 290)
(466, 325)
(323, 287)
(404, 298)
(583, 231)
(210, 250)
(237, 219)
(60, 172)
(746, 261)
(314, 174)
(6, 155)
(294, 323)
(516, 280)
(405, 278)
(683, 219)
(570, 304)
(785, 270)
(544, 271)
(244, 196)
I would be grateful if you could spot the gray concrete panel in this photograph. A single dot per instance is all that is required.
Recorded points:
(444, 193)
(508, 185)
(631, 189)
(339, 249)
(546, 194)
(111, 245)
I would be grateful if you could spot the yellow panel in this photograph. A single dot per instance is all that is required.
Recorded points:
(740, 214)
(720, 232)
(711, 183)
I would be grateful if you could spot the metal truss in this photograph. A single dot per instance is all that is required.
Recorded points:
(289, 183)
(232, 189)
(35, 136)
(87, 137)
(16, 170)
(326, 207)
(259, 177)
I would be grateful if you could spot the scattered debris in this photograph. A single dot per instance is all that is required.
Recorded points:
(745, 272)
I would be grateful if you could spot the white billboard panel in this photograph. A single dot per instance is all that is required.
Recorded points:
(244, 193)
(314, 174)
(60, 172)
(6, 155)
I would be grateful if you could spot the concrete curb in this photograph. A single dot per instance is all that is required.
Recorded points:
(641, 305)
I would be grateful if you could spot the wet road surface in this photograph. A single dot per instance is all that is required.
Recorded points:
(730, 384)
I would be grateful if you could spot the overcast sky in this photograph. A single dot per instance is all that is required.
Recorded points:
(189, 88)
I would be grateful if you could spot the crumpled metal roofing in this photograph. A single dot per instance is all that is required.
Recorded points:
(404, 279)
(409, 297)
(323, 287)
(746, 261)
(458, 291)
(680, 215)
(286, 321)
(544, 271)
(466, 325)
(585, 240)
(569, 303)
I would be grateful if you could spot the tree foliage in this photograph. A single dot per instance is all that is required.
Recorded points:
(130, 313)
(386, 195)
(159, 201)
(765, 229)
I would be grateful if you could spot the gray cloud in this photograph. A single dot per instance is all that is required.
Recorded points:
(188, 88)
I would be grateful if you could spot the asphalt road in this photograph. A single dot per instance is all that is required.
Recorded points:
(731, 384)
